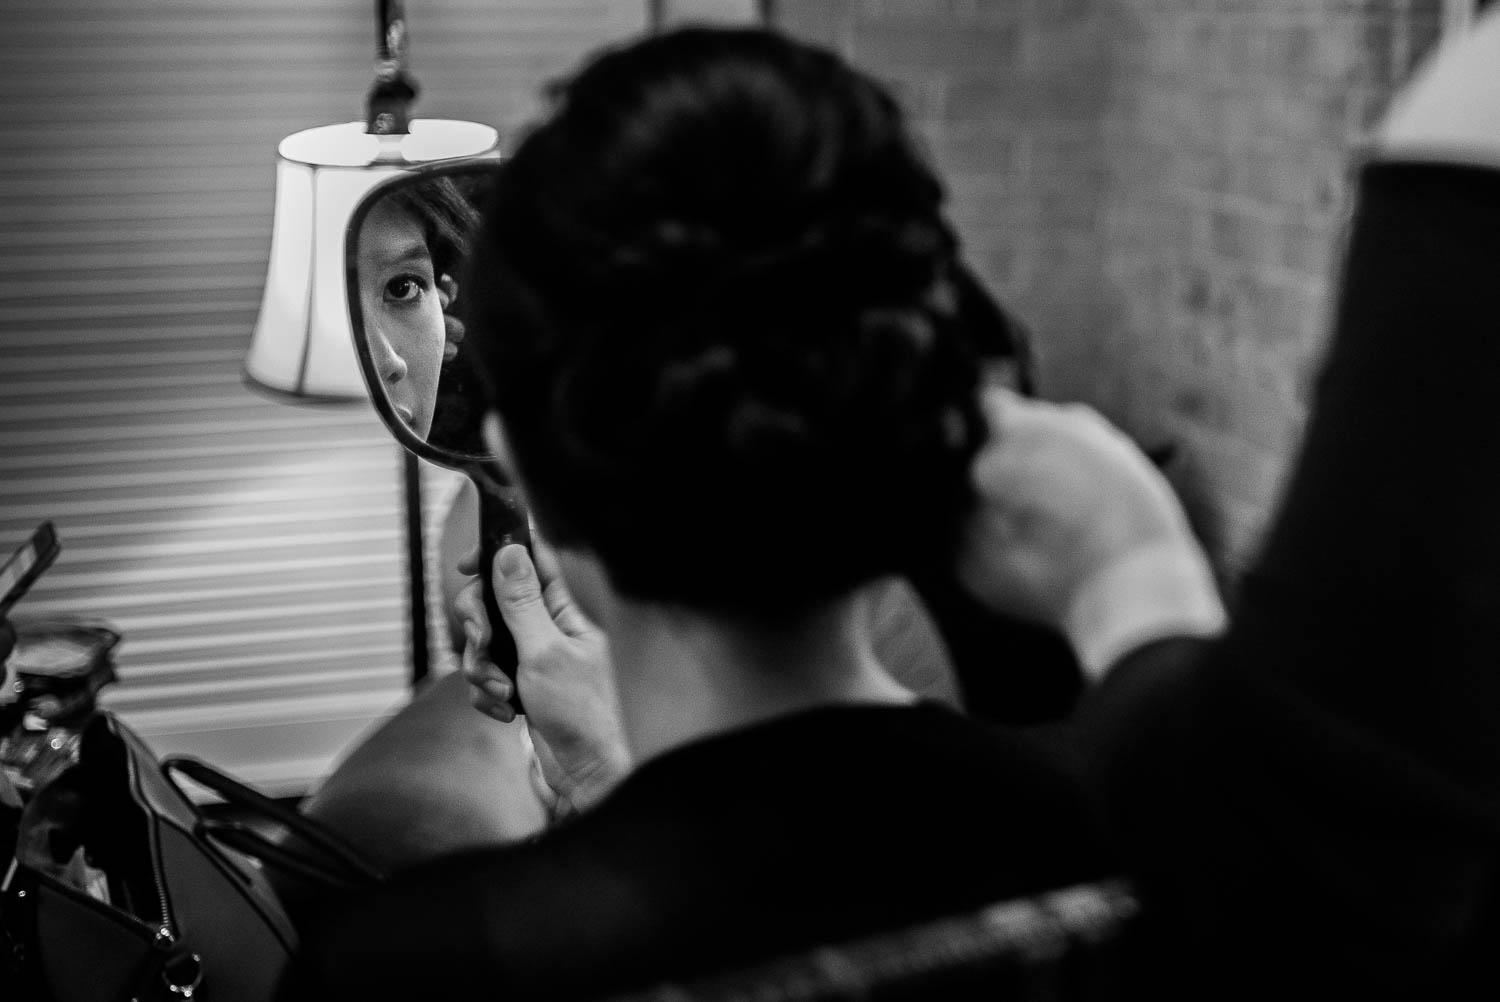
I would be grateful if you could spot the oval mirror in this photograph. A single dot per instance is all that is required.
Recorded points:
(405, 256)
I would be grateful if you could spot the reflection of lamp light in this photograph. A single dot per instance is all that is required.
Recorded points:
(303, 350)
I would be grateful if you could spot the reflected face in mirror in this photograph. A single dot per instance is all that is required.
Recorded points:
(408, 249)
(402, 298)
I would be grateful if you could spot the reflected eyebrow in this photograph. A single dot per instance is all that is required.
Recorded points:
(413, 250)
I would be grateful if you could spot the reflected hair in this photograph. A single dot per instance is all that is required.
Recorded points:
(448, 216)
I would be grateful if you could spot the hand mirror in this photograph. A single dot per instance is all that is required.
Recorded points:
(405, 255)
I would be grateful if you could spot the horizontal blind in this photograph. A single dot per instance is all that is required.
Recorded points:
(251, 552)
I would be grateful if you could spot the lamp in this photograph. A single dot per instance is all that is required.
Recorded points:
(302, 350)
(302, 346)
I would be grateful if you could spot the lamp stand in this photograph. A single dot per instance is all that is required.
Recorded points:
(416, 567)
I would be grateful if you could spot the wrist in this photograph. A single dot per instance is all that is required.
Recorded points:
(592, 785)
(581, 789)
(1161, 589)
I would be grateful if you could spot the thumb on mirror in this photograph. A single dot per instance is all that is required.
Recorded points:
(519, 595)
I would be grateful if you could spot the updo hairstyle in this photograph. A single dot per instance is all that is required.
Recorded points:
(715, 306)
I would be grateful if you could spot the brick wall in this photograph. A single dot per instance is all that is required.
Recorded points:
(1009, 97)
(1228, 141)
(1158, 187)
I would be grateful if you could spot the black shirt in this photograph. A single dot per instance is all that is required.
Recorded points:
(812, 828)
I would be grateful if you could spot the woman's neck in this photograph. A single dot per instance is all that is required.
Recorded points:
(683, 675)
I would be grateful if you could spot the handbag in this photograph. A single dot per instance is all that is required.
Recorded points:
(122, 888)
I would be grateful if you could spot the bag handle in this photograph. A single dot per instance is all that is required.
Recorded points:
(350, 867)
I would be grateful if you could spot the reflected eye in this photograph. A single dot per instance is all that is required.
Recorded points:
(406, 289)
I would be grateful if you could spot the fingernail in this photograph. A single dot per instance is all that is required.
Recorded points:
(512, 560)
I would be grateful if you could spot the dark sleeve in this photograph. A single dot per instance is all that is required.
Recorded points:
(414, 938)
(1378, 593)
(1315, 795)
(510, 922)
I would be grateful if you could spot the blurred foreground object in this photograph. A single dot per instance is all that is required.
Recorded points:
(59, 667)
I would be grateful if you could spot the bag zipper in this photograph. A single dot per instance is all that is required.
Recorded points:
(166, 931)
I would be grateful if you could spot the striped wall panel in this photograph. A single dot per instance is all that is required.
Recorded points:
(251, 552)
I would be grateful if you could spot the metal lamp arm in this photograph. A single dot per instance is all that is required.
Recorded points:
(388, 105)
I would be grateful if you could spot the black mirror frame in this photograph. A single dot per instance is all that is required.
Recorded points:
(480, 164)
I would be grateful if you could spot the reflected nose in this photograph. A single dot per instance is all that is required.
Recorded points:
(390, 365)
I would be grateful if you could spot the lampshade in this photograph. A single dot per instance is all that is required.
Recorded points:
(302, 345)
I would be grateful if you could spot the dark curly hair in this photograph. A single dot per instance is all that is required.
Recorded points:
(716, 305)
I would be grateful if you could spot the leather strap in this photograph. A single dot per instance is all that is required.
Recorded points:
(335, 863)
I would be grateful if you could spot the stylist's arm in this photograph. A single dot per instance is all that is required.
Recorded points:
(1076, 528)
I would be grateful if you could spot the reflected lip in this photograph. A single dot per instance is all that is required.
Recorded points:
(406, 416)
